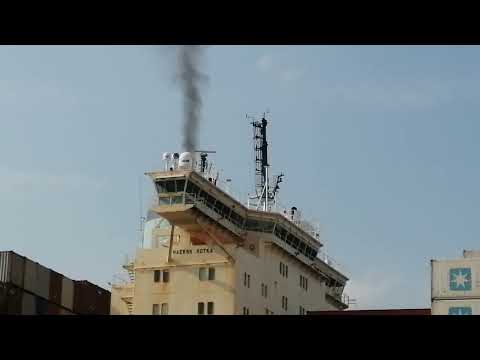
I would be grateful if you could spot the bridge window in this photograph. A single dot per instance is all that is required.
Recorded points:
(295, 242)
(170, 185)
(192, 188)
(214, 204)
(257, 225)
(161, 187)
(226, 211)
(308, 251)
(219, 207)
(301, 247)
(280, 232)
(209, 199)
(177, 200)
(237, 219)
(289, 239)
(164, 201)
(180, 185)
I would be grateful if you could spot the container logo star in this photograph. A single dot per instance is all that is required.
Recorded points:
(460, 279)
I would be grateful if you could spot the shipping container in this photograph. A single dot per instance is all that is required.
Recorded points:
(67, 293)
(43, 285)
(53, 309)
(18, 268)
(65, 312)
(37, 279)
(41, 305)
(10, 299)
(30, 279)
(5, 269)
(452, 279)
(55, 294)
(11, 268)
(3, 298)
(90, 299)
(28, 304)
(456, 307)
(15, 301)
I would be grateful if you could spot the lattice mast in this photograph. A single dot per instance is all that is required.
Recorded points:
(265, 195)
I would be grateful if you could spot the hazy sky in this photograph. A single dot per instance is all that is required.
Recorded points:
(378, 143)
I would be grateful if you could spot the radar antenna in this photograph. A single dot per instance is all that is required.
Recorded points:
(264, 194)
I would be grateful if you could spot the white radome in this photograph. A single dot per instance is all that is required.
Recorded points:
(185, 161)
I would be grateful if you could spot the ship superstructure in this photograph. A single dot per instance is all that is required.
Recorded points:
(206, 252)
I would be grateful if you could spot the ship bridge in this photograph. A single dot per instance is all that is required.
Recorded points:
(194, 203)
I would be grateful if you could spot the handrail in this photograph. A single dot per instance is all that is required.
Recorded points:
(119, 281)
(322, 256)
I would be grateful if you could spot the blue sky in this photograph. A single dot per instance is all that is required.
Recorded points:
(377, 143)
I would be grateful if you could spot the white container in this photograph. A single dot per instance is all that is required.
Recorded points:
(67, 293)
(456, 307)
(455, 279)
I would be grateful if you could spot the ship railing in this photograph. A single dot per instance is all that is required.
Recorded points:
(226, 187)
(276, 207)
(322, 256)
(298, 219)
(128, 261)
(120, 281)
(345, 299)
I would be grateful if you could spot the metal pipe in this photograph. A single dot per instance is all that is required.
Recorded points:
(170, 245)
(265, 206)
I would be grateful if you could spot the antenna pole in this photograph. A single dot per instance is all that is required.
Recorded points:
(266, 189)
(261, 152)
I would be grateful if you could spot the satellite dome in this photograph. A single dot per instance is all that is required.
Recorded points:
(186, 161)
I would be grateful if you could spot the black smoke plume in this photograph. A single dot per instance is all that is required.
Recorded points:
(189, 59)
